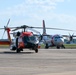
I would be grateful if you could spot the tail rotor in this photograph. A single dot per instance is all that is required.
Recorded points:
(5, 27)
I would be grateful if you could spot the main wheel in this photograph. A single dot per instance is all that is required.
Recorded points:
(36, 50)
(63, 46)
(46, 47)
(17, 50)
(58, 47)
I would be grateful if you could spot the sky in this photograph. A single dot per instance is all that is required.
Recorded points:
(56, 13)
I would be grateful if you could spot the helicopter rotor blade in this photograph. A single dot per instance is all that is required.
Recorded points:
(7, 23)
(25, 26)
(34, 31)
(21, 27)
(53, 28)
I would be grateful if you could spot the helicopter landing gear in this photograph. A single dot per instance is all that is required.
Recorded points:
(63, 46)
(46, 47)
(17, 49)
(58, 47)
(36, 50)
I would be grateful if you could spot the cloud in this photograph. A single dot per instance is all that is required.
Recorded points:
(37, 9)
(31, 6)
(34, 11)
(44, 4)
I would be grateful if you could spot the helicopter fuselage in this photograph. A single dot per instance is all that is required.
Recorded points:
(25, 40)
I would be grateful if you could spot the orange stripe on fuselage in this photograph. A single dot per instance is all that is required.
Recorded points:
(4, 43)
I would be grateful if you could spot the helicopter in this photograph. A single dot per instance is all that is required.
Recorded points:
(21, 40)
(24, 39)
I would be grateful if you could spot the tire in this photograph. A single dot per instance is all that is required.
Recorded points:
(36, 50)
(63, 46)
(17, 50)
(46, 47)
(13, 48)
(58, 47)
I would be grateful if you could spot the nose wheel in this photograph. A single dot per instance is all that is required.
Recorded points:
(36, 48)
(58, 47)
(63, 46)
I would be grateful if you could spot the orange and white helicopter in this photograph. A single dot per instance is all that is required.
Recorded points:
(24, 39)
(21, 39)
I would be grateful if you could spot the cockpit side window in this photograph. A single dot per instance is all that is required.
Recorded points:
(58, 37)
(25, 39)
(33, 38)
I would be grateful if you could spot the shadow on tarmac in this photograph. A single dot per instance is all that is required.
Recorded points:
(8, 52)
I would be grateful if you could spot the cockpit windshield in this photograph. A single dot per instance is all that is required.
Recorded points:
(29, 38)
(25, 39)
(32, 38)
(58, 37)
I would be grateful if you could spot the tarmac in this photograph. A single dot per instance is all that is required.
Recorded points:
(45, 62)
